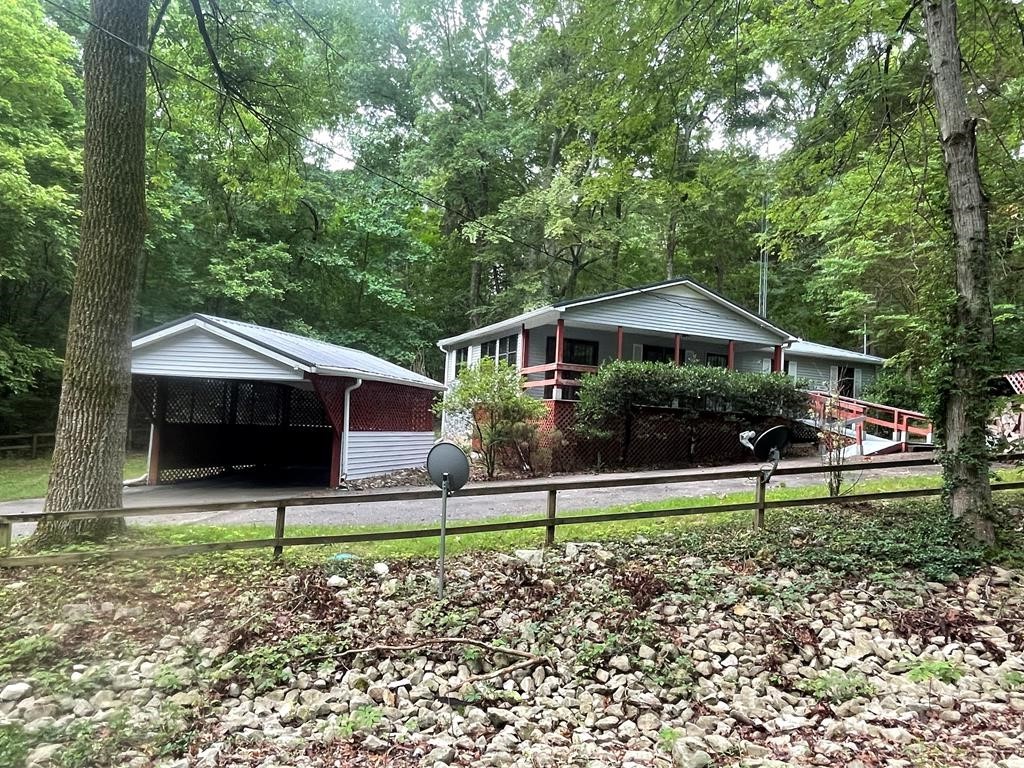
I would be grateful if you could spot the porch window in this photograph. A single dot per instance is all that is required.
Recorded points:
(461, 359)
(505, 348)
(575, 352)
(716, 360)
(654, 353)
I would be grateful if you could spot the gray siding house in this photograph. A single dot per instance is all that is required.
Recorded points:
(678, 321)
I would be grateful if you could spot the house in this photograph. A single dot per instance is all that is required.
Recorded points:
(222, 395)
(678, 321)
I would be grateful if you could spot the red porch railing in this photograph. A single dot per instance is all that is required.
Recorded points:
(553, 374)
(903, 425)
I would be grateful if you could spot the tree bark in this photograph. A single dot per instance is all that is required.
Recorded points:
(88, 457)
(963, 393)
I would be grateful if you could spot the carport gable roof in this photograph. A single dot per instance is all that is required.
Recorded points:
(309, 355)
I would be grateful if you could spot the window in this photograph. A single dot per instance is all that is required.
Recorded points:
(716, 360)
(505, 348)
(575, 352)
(461, 359)
(655, 354)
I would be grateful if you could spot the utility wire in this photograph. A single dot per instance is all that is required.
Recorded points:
(269, 120)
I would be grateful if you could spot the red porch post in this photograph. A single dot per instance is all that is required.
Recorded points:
(335, 475)
(777, 359)
(524, 336)
(618, 343)
(730, 356)
(678, 351)
(560, 341)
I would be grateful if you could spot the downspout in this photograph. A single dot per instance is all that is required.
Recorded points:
(344, 429)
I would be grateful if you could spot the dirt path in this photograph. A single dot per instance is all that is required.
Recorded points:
(426, 511)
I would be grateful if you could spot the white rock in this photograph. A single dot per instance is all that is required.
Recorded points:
(15, 692)
(684, 757)
(532, 557)
(381, 569)
(43, 755)
(338, 582)
(620, 663)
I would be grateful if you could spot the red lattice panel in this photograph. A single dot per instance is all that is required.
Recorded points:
(385, 407)
(331, 391)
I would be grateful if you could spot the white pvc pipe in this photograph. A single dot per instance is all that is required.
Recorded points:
(344, 429)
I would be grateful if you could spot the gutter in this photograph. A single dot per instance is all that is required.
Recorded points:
(344, 429)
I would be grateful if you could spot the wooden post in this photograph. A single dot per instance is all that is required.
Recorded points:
(549, 531)
(524, 358)
(5, 536)
(730, 356)
(560, 341)
(279, 532)
(35, 445)
(618, 343)
(777, 359)
(759, 499)
(677, 354)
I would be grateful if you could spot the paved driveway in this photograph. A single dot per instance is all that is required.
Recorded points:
(427, 510)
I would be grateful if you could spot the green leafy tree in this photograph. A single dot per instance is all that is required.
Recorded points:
(40, 172)
(491, 394)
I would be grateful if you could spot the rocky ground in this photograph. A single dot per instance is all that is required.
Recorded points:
(866, 638)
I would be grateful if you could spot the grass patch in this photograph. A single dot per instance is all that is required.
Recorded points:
(27, 478)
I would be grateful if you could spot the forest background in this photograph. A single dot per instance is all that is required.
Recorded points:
(385, 174)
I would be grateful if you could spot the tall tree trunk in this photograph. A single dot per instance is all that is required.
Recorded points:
(964, 395)
(88, 458)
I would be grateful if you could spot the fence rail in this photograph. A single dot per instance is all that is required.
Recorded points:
(759, 505)
(35, 443)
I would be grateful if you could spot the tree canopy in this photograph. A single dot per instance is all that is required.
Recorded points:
(383, 175)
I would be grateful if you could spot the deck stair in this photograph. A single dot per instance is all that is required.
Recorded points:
(873, 429)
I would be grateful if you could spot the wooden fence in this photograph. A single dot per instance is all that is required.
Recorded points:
(759, 505)
(35, 444)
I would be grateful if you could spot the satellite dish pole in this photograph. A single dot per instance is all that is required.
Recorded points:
(448, 468)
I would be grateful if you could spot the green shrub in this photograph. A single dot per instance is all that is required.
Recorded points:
(622, 386)
(26, 653)
(943, 671)
(898, 390)
(836, 687)
(502, 414)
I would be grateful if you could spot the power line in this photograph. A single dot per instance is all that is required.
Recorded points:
(269, 120)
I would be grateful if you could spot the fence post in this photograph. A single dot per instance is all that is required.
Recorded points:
(549, 530)
(5, 537)
(279, 532)
(762, 486)
(35, 445)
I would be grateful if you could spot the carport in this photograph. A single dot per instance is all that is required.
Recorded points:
(225, 396)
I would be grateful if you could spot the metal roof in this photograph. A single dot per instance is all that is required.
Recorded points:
(811, 349)
(312, 355)
(547, 314)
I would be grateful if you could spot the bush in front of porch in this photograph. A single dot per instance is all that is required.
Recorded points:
(610, 398)
(501, 414)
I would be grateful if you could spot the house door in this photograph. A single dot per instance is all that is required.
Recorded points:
(844, 381)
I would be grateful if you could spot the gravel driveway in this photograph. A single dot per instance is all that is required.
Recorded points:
(427, 510)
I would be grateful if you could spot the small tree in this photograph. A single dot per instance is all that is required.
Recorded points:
(500, 412)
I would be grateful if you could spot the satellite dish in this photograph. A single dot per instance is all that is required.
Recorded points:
(448, 459)
(769, 444)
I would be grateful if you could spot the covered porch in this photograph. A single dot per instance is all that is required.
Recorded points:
(555, 357)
